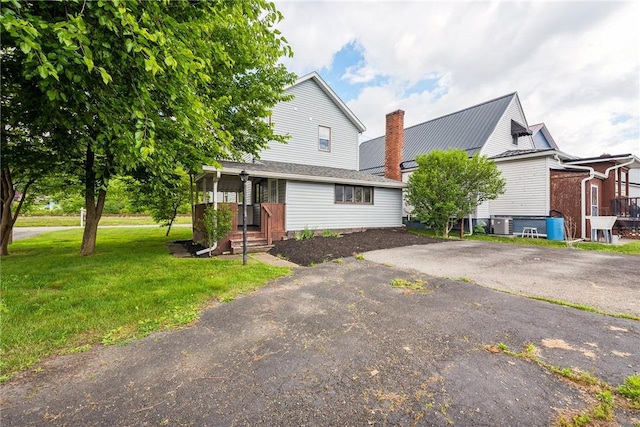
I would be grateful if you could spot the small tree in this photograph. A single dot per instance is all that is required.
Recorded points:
(215, 225)
(164, 197)
(449, 184)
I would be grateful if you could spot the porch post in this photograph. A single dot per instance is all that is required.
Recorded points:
(243, 177)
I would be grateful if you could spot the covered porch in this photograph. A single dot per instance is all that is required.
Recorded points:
(265, 212)
(627, 213)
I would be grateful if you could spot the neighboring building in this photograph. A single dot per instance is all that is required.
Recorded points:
(489, 128)
(548, 181)
(312, 182)
(601, 187)
(634, 183)
(540, 179)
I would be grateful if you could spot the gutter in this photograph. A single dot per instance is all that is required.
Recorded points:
(308, 178)
(583, 196)
(592, 174)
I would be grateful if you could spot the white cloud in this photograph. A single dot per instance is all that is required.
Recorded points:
(575, 65)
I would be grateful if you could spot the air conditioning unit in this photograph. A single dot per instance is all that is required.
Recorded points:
(501, 226)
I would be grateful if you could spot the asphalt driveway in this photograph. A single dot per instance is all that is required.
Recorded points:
(609, 282)
(336, 344)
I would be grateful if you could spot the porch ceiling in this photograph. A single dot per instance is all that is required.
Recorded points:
(230, 184)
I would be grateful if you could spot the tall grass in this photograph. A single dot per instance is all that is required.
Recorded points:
(54, 301)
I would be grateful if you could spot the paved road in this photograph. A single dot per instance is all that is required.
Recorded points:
(336, 344)
(609, 282)
(20, 233)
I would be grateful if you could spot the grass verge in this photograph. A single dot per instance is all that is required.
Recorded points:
(605, 398)
(630, 248)
(54, 301)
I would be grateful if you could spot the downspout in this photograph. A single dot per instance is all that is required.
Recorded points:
(215, 206)
(583, 195)
(615, 167)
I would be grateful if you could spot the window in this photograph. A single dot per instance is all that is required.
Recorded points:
(594, 200)
(324, 138)
(354, 194)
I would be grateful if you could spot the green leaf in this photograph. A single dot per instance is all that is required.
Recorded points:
(88, 62)
(24, 46)
(52, 94)
(106, 77)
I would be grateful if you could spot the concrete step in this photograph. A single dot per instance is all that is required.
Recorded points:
(250, 242)
(250, 248)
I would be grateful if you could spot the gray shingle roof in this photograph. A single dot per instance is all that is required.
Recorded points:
(467, 130)
(513, 153)
(295, 171)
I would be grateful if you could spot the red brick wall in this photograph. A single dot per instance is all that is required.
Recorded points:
(565, 195)
(393, 142)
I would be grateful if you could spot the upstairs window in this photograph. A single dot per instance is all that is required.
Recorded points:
(324, 138)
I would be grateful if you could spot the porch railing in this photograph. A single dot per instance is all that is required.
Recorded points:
(265, 220)
(623, 207)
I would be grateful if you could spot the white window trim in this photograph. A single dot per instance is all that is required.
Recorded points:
(328, 149)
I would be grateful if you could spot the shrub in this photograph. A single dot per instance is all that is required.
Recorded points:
(305, 234)
(215, 224)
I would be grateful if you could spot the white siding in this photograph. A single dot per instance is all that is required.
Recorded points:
(300, 118)
(312, 205)
(406, 208)
(483, 210)
(527, 188)
(501, 140)
(634, 183)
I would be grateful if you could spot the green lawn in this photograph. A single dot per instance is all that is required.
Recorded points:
(54, 301)
(71, 220)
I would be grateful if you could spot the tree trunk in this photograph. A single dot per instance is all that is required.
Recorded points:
(7, 218)
(169, 227)
(93, 207)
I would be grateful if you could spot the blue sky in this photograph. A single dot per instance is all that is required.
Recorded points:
(575, 65)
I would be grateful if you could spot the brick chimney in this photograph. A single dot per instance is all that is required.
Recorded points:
(393, 142)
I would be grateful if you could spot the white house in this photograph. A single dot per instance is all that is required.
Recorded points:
(540, 179)
(312, 182)
(490, 128)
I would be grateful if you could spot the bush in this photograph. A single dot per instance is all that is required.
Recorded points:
(305, 234)
(215, 225)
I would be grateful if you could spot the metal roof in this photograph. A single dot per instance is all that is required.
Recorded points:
(466, 129)
(299, 172)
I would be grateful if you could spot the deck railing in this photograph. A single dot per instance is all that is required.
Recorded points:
(623, 207)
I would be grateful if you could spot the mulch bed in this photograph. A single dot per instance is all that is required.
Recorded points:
(321, 249)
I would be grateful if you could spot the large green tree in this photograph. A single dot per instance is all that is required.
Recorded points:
(449, 185)
(30, 145)
(147, 85)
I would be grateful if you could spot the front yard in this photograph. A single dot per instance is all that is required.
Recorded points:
(54, 301)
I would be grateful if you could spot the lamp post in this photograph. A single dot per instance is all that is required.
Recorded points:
(244, 176)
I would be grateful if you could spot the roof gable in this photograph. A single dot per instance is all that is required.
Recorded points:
(467, 129)
(315, 77)
(542, 137)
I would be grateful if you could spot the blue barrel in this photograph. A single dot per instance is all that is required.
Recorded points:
(555, 228)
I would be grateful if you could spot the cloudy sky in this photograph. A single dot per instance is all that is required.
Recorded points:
(574, 64)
